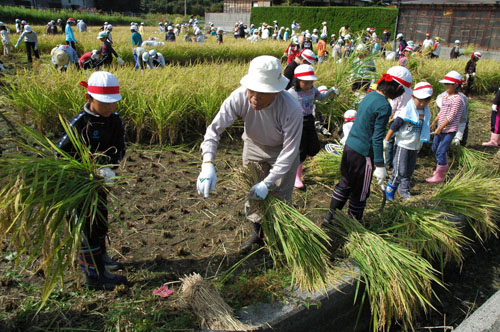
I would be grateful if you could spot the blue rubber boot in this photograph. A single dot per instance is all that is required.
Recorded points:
(390, 191)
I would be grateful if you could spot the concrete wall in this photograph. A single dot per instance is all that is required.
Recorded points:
(227, 20)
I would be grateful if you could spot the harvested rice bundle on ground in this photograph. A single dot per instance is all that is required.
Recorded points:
(397, 280)
(208, 306)
(324, 167)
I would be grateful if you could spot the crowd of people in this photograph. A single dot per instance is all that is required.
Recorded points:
(389, 127)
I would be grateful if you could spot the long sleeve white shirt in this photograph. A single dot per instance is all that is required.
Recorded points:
(279, 124)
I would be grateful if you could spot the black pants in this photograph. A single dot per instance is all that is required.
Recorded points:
(470, 84)
(29, 47)
(309, 142)
(71, 43)
(354, 185)
(95, 230)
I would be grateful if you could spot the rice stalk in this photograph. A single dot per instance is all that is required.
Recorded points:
(478, 161)
(473, 196)
(293, 240)
(398, 281)
(208, 306)
(41, 195)
(324, 167)
(427, 232)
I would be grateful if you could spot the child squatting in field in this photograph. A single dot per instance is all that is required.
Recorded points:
(411, 128)
(101, 128)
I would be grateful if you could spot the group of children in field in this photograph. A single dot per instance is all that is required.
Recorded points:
(366, 140)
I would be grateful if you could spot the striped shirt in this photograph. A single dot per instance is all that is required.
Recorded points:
(451, 110)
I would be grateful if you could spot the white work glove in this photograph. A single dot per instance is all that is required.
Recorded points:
(335, 90)
(474, 74)
(206, 180)
(467, 77)
(120, 61)
(107, 173)
(456, 141)
(386, 145)
(380, 173)
(260, 190)
(494, 107)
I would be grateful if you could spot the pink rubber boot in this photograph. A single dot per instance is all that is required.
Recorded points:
(439, 174)
(494, 140)
(298, 181)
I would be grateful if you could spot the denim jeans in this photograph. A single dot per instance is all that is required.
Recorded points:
(440, 146)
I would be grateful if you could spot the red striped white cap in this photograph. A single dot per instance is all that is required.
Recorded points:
(308, 55)
(452, 77)
(323, 89)
(422, 90)
(408, 49)
(477, 55)
(103, 86)
(399, 74)
(305, 73)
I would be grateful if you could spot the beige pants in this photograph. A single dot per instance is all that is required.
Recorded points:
(266, 156)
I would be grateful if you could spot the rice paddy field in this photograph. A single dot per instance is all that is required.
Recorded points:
(164, 231)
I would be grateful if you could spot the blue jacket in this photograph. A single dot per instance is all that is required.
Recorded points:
(69, 33)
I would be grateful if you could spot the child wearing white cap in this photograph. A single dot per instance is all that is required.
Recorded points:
(411, 129)
(447, 121)
(455, 50)
(305, 57)
(4, 34)
(293, 50)
(272, 130)
(101, 128)
(363, 148)
(106, 51)
(306, 93)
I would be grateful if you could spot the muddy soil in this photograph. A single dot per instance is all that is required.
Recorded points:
(166, 231)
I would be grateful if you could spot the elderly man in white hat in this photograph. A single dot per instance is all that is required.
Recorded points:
(272, 132)
(101, 128)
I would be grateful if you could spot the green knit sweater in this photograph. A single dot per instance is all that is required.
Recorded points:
(368, 130)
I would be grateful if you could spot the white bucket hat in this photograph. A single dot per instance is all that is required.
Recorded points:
(305, 73)
(323, 89)
(452, 77)
(133, 28)
(61, 58)
(103, 86)
(27, 28)
(308, 55)
(399, 74)
(145, 56)
(264, 75)
(422, 90)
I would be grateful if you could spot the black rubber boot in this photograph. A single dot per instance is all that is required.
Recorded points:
(255, 238)
(109, 263)
(96, 276)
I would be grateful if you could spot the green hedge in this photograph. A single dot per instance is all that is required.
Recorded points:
(8, 15)
(358, 18)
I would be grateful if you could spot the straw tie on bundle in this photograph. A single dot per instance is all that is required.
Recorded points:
(208, 306)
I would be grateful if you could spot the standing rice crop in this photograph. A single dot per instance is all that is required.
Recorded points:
(40, 197)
